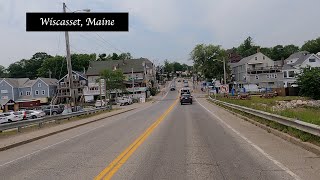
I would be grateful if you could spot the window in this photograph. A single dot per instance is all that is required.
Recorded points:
(43, 92)
(264, 57)
(39, 84)
(74, 76)
(28, 93)
(257, 77)
(256, 58)
(21, 93)
(4, 91)
(312, 60)
(291, 74)
(36, 92)
(271, 83)
(62, 83)
(275, 76)
(268, 76)
(285, 74)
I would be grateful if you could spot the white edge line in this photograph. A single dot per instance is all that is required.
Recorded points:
(60, 142)
(254, 145)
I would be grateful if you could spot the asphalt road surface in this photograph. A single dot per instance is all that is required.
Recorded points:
(165, 140)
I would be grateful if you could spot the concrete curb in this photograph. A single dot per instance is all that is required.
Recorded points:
(59, 131)
(305, 145)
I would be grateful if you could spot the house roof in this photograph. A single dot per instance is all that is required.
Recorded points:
(75, 72)
(126, 66)
(26, 82)
(29, 83)
(50, 81)
(17, 82)
(288, 67)
(243, 60)
(300, 57)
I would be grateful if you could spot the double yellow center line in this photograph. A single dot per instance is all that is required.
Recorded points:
(115, 165)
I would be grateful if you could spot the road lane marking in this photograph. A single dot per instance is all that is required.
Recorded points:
(115, 165)
(65, 140)
(280, 165)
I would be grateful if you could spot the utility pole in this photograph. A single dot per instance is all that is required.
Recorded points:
(100, 92)
(132, 82)
(50, 73)
(224, 71)
(69, 66)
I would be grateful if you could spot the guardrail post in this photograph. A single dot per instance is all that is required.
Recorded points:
(19, 128)
(40, 125)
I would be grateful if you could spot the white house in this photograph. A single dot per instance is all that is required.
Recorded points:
(294, 63)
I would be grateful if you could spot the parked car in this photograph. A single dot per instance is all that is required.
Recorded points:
(101, 103)
(53, 109)
(33, 114)
(14, 116)
(125, 101)
(186, 98)
(3, 119)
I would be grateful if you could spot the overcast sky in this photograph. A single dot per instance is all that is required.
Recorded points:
(162, 29)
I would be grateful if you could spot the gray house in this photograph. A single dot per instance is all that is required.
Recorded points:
(294, 63)
(17, 89)
(257, 71)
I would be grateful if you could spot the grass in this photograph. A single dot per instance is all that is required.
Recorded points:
(305, 137)
(306, 114)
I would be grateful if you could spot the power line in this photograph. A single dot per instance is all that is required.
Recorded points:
(96, 43)
(109, 43)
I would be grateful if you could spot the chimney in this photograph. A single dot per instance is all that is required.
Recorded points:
(282, 61)
(258, 50)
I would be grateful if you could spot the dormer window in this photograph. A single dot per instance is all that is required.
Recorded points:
(312, 60)
(39, 84)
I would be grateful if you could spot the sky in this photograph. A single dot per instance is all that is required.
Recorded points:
(162, 29)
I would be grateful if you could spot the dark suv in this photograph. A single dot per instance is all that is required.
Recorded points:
(53, 109)
(186, 98)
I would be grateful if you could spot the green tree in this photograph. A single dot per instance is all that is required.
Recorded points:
(312, 46)
(57, 65)
(123, 56)
(16, 70)
(308, 81)
(177, 66)
(247, 48)
(113, 80)
(207, 60)
(3, 71)
(168, 67)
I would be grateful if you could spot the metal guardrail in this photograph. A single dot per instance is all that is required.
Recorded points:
(303, 126)
(40, 121)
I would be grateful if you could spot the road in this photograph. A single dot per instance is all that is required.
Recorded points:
(164, 140)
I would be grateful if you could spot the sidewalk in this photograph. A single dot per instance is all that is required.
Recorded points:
(25, 137)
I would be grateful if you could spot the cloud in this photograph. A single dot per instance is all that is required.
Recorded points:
(166, 29)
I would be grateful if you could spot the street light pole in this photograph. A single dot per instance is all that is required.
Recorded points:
(69, 66)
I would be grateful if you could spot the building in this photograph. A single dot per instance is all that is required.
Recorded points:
(255, 72)
(294, 63)
(63, 94)
(141, 70)
(26, 90)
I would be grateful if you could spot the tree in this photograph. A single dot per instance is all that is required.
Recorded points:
(57, 65)
(247, 48)
(168, 67)
(3, 72)
(308, 81)
(123, 56)
(207, 60)
(16, 70)
(312, 46)
(113, 80)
